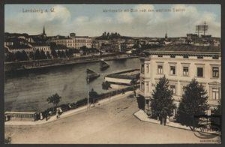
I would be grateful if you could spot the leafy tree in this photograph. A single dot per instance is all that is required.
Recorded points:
(108, 35)
(193, 103)
(37, 55)
(48, 55)
(59, 54)
(9, 57)
(21, 56)
(162, 102)
(31, 55)
(54, 54)
(54, 99)
(43, 56)
(24, 56)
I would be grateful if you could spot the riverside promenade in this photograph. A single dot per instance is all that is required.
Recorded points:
(111, 121)
(70, 112)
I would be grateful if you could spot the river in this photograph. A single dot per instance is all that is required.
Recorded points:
(29, 91)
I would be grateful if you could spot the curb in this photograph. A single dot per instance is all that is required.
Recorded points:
(168, 125)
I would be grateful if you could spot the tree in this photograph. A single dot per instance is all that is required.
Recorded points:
(54, 99)
(31, 55)
(37, 55)
(24, 56)
(54, 54)
(10, 57)
(162, 103)
(193, 103)
(43, 56)
(48, 55)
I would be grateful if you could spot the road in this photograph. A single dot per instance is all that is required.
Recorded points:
(109, 123)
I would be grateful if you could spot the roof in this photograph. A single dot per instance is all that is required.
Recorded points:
(18, 46)
(60, 46)
(14, 39)
(60, 37)
(39, 44)
(185, 49)
(82, 37)
(16, 34)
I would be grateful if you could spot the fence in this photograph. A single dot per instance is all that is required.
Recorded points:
(27, 116)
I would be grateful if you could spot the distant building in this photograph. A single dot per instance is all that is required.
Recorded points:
(192, 37)
(20, 48)
(72, 41)
(64, 40)
(83, 41)
(180, 64)
(41, 47)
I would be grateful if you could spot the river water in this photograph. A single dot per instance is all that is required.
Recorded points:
(29, 91)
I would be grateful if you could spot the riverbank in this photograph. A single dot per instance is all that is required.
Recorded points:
(10, 67)
(28, 91)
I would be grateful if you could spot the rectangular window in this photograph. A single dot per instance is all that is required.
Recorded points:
(215, 72)
(215, 93)
(199, 72)
(185, 71)
(147, 68)
(172, 70)
(142, 68)
(173, 88)
(147, 86)
(143, 86)
(160, 69)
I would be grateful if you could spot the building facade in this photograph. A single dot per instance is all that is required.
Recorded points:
(83, 41)
(72, 41)
(42, 47)
(63, 40)
(180, 64)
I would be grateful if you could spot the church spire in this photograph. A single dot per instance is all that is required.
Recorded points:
(44, 30)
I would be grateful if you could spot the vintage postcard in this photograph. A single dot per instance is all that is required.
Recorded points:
(112, 73)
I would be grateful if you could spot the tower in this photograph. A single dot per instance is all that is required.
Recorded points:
(44, 31)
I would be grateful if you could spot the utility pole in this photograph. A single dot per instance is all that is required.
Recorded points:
(88, 92)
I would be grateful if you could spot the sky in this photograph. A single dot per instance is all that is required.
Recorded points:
(137, 20)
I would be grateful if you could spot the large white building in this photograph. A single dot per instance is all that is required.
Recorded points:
(180, 64)
(72, 41)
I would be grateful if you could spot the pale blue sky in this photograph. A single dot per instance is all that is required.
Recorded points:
(90, 19)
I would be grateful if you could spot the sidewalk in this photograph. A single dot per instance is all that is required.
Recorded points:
(70, 112)
(141, 115)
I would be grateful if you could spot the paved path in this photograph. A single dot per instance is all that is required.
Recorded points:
(107, 123)
(71, 112)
